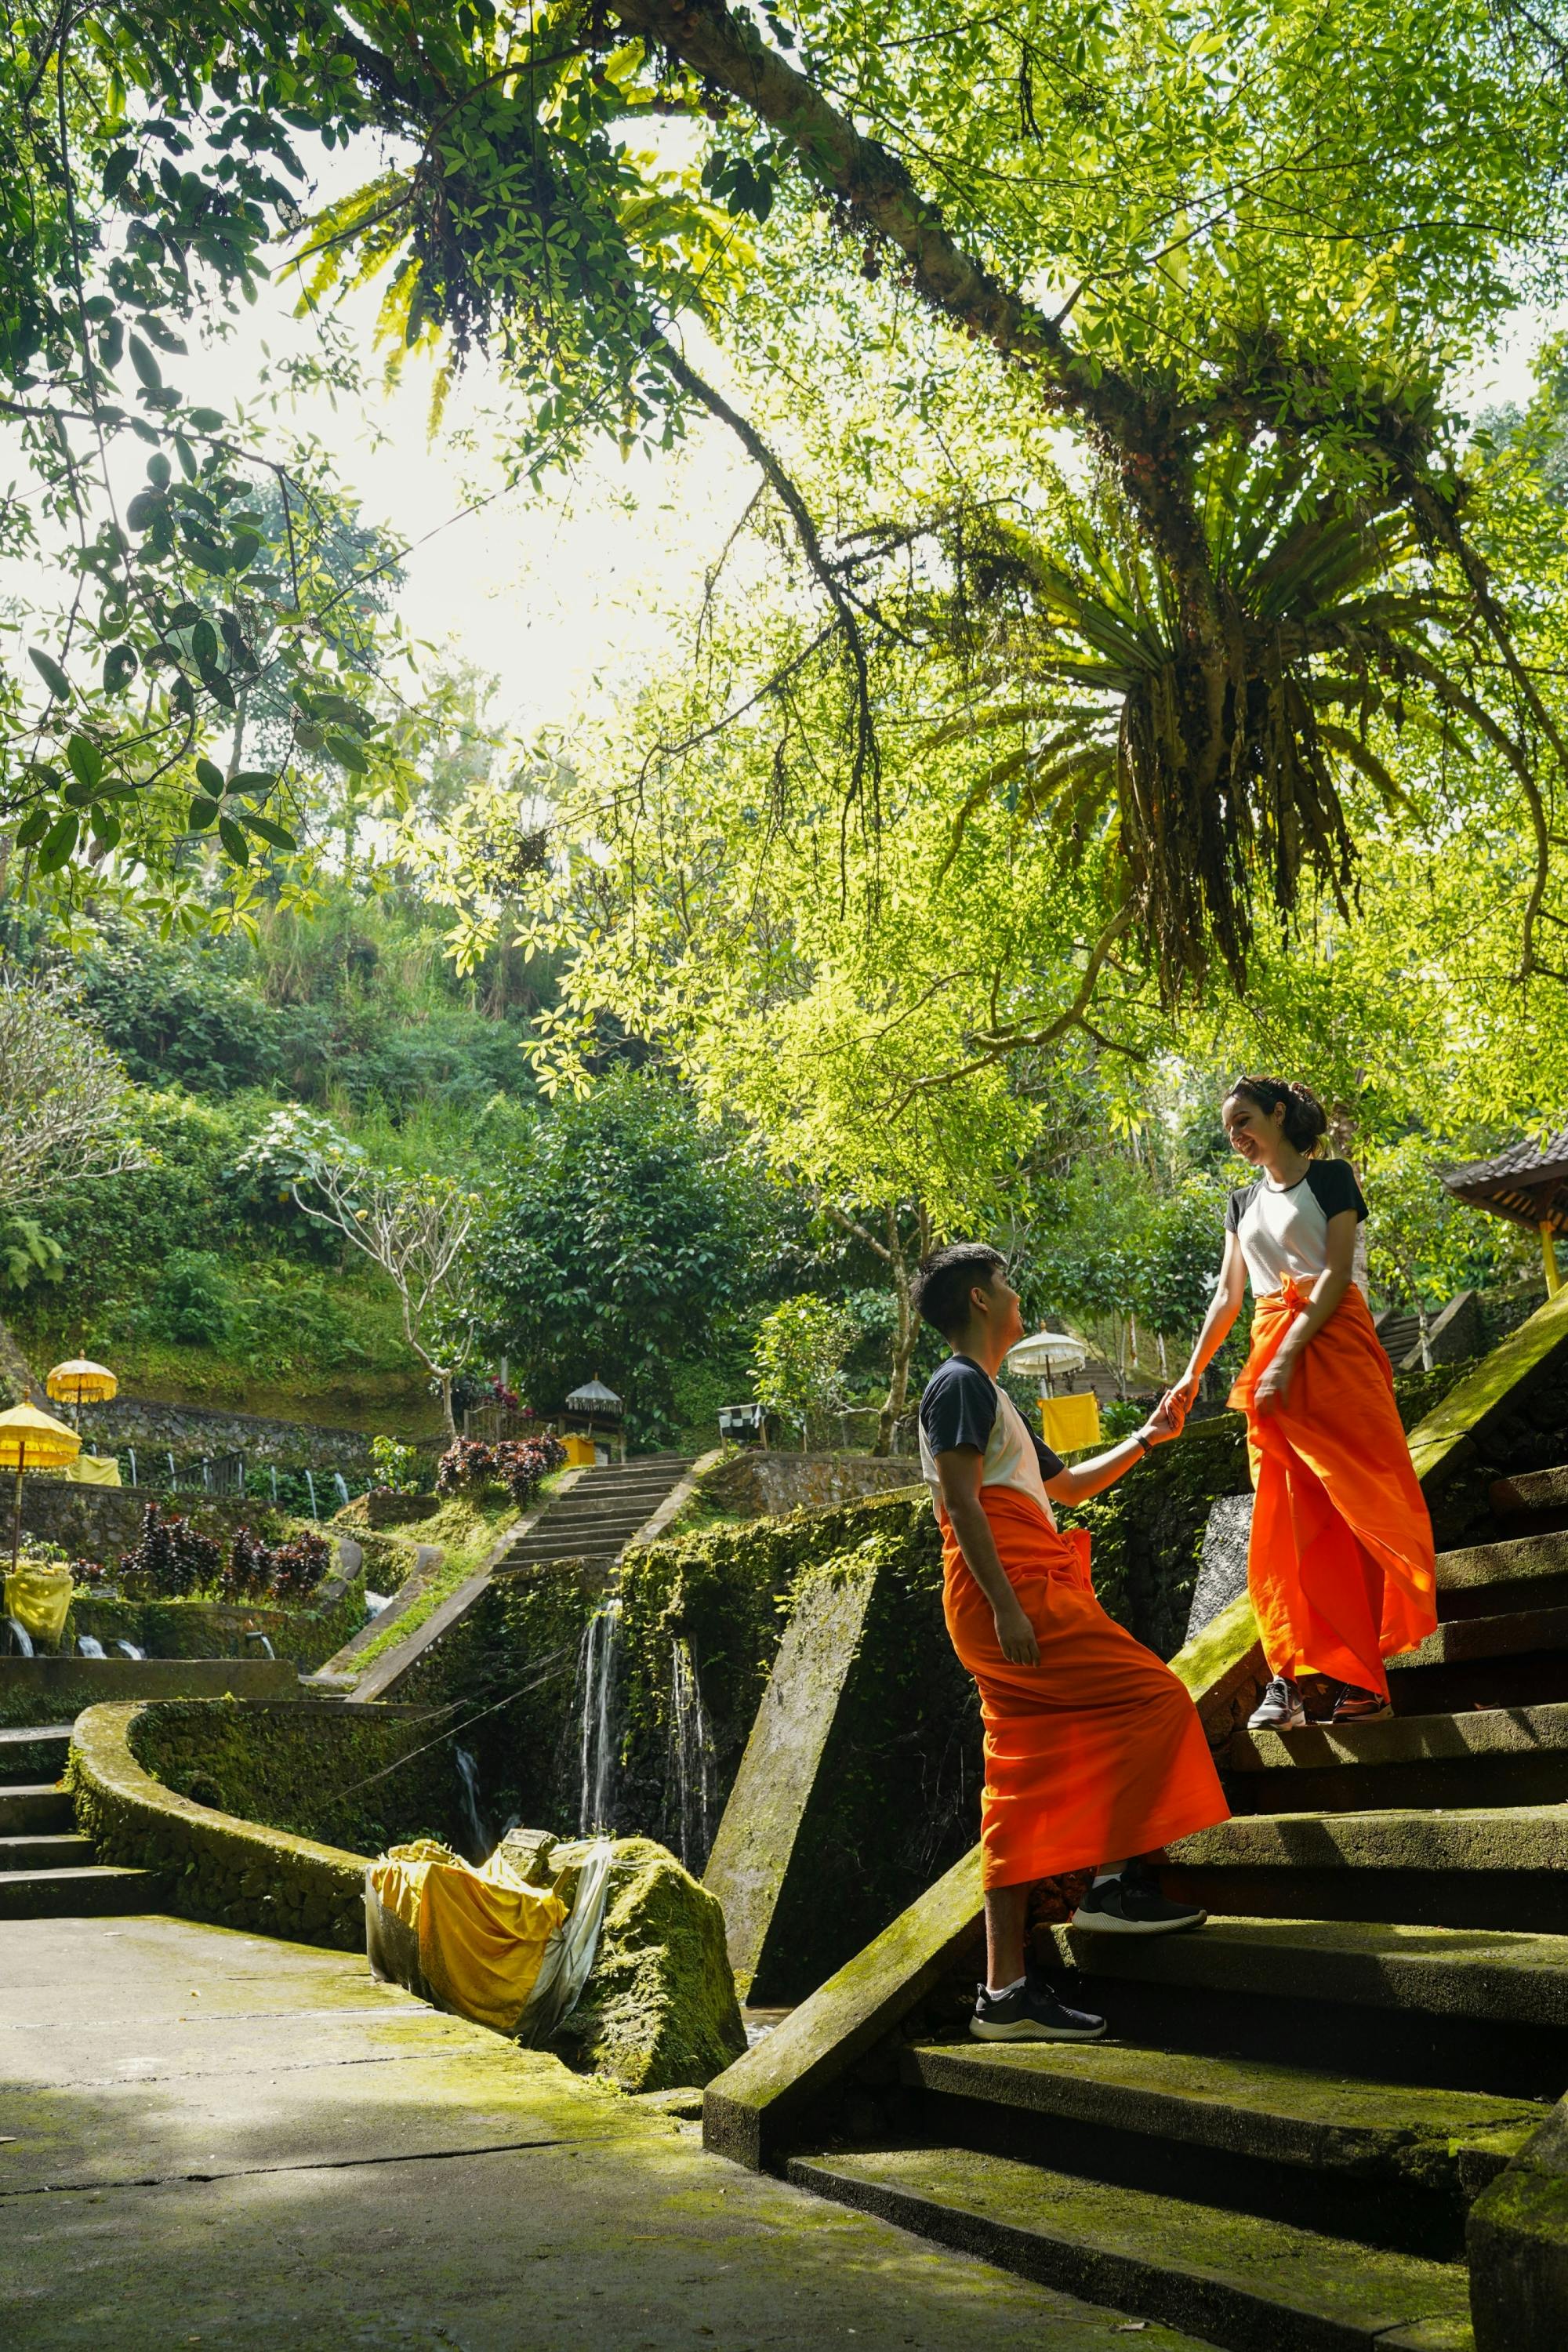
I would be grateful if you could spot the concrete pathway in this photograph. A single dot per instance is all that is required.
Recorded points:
(208, 2137)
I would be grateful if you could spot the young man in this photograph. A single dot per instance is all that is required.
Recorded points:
(1094, 1753)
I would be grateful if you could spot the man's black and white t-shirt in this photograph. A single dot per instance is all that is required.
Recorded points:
(964, 1406)
(1283, 1229)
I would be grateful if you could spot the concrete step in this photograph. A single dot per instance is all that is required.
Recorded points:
(1491, 1756)
(27, 1810)
(1484, 1579)
(30, 1753)
(62, 1849)
(1481, 2008)
(1234, 2279)
(1538, 1497)
(93, 1892)
(1461, 1640)
(1390, 2163)
(1481, 1865)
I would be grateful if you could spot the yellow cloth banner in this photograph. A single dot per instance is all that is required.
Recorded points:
(92, 1470)
(482, 1932)
(39, 1597)
(1070, 1423)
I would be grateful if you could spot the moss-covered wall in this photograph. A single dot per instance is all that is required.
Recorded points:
(306, 1770)
(233, 1869)
(211, 1629)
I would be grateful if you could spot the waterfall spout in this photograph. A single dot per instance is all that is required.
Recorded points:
(599, 1735)
(341, 1483)
(310, 1490)
(173, 1480)
(128, 1650)
(21, 1640)
(272, 1466)
(132, 1451)
(88, 1645)
(468, 1774)
(690, 1783)
(263, 1643)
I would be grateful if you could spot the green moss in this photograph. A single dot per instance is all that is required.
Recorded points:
(330, 1773)
(467, 1529)
(659, 2010)
(206, 1629)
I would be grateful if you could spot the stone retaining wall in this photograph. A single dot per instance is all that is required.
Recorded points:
(771, 1484)
(102, 1522)
(217, 1629)
(155, 1427)
(133, 1769)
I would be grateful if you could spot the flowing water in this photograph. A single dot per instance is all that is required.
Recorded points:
(688, 1787)
(132, 1451)
(341, 1483)
(128, 1650)
(88, 1645)
(599, 1731)
(272, 1467)
(310, 1490)
(173, 1481)
(468, 1774)
(263, 1643)
(21, 1640)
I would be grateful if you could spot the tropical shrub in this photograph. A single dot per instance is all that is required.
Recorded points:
(520, 1464)
(399, 1469)
(172, 1560)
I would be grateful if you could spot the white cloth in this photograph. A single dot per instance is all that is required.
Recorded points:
(1283, 1229)
(1010, 1458)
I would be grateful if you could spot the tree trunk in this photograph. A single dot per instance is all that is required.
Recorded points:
(446, 1381)
(904, 1336)
(1424, 1328)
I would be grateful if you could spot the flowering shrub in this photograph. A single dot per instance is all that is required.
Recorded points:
(519, 1463)
(173, 1559)
(282, 1572)
(524, 1463)
(467, 1462)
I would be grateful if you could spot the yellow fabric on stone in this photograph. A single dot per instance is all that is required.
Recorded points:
(1068, 1423)
(39, 1597)
(482, 1932)
(92, 1470)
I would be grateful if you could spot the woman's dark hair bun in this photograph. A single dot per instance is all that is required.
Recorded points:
(1306, 1120)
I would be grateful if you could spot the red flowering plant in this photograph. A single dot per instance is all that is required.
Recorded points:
(172, 1560)
(467, 1462)
(524, 1463)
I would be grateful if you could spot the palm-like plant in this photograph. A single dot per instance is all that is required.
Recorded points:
(1219, 782)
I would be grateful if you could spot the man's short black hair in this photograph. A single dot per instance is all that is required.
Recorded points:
(946, 1280)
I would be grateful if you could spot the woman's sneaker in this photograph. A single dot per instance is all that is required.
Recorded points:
(1133, 1905)
(1030, 2012)
(1355, 1704)
(1280, 1709)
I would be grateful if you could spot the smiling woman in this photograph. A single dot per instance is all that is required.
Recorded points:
(1339, 1559)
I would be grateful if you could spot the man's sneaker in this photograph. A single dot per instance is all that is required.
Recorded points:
(1133, 1905)
(1030, 2012)
(1355, 1704)
(1280, 1709)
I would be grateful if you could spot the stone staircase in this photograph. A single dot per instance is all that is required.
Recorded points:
(47, 1870)
(1283, 2144)
(595, 1519)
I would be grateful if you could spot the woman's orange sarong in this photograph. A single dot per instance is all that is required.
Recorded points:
(1096, 1753)
(1340, 1563)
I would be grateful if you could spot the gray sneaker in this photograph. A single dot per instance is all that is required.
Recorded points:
(1030, 2012)
(1132, 1905)
(1279, 1708)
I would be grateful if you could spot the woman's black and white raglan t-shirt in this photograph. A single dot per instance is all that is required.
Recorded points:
(1283, 1229)
(964, 1406)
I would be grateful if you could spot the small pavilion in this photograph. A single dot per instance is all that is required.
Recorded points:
(1528, 1184)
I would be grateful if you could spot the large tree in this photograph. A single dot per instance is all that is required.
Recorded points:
(1232, 252)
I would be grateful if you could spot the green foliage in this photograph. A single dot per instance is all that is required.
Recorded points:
(625, 1233)
(402, 1469)
(798, 1360)
(28, 1255)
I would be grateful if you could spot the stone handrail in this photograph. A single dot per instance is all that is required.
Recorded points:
(215, 1865)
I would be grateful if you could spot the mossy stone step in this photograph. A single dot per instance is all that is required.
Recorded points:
(1275, 2114)
(33, 1809)
(1459, 1641)
(63, 1851)
(93, 1892)
(1520, 1563)
(1529, 1491)
(1495, 1976)
(1238, 2280)
(1484, 1757)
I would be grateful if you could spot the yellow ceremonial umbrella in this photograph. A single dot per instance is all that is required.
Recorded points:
(78, 1381)
(31, 1440)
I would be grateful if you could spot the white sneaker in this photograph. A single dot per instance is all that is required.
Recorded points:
(1280, 1709)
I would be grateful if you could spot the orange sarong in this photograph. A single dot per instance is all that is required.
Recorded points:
(1339, 1564)
(1096, 1753)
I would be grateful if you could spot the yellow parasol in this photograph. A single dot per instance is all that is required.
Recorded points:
(78, 1382)
(31, 1440)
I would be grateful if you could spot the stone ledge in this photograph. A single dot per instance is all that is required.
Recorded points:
(219, 1867)
(1517, 2246)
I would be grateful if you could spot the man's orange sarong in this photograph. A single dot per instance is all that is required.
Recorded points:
(1096, 1753)
(1339, 1564)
